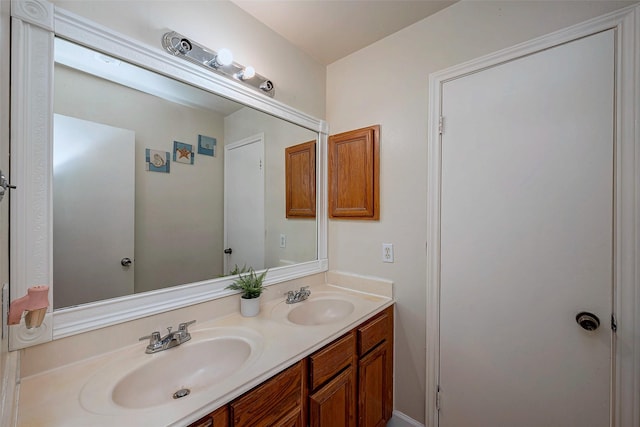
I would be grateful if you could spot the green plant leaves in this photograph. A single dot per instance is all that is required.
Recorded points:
(250, 284)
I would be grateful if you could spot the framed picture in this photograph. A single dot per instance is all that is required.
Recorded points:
(182, 153)
(156, 160)
(207, 145)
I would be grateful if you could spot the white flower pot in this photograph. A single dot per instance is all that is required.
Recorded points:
(249, 307)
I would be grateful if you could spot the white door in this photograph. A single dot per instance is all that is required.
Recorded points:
(93, 211)
(244, 203)
(526, 240)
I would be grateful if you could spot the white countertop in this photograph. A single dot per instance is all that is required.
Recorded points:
(79, 394)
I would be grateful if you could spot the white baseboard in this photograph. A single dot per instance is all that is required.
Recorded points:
(398, 419)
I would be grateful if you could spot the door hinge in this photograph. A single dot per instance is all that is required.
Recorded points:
(614, 323)
(438, 399)
(441, 125)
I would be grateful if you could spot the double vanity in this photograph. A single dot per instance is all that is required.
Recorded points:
(321, 349)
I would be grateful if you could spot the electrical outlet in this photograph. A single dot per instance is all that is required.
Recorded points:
(283, 240)
(387, 252)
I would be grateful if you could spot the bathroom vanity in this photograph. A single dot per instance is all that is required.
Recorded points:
(346, 381)
(324, 361)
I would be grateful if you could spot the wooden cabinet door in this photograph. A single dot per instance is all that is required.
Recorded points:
(334, 404)
(375, 387)
(354, 174)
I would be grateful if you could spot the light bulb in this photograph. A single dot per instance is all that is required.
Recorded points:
(247, 73)
(224, 57)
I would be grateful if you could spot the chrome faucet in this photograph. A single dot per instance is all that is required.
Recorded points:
(172, 339)
(297, 296)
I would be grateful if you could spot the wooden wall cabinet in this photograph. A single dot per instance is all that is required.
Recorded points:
(354, 174)
(347, 383)
(300, 178)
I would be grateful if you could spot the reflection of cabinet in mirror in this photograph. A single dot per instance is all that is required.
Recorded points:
(301, 180)
(354, 174)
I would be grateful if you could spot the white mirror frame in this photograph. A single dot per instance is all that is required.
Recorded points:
(34, 25)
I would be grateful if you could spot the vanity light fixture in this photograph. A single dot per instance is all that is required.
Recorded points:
(221, 62)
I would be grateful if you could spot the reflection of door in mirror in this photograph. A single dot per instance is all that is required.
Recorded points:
(93, 225)
(244, 203)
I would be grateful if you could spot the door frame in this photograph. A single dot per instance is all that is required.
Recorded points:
(626, 289)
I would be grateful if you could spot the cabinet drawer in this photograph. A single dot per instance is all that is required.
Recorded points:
(332, 359)
(203, 422)
(291, 419)
(375, 331)
(218, 418)
(266, 404)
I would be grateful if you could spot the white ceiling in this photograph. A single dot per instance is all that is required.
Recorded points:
(332, 29)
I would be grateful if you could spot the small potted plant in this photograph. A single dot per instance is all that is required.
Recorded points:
(251, 286)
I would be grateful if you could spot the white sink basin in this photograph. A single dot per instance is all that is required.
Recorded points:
(187, 368)
(320, 311)
(321, 308)
(142, 381)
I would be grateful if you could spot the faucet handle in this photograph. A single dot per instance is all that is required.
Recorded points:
(183, 334)
(185, 325)
(291, 296)
(304, 290)
(153, 338)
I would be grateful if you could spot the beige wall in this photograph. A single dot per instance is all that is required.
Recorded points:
(386, 83)
(299, 80)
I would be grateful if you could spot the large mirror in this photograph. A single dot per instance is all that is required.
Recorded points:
(143, 180)
(157, 183)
